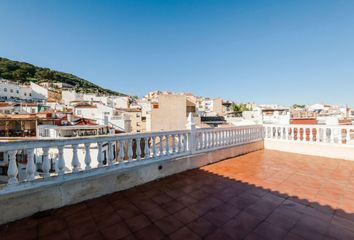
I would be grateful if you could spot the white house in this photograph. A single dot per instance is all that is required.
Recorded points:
(103, 114)
(10, 89)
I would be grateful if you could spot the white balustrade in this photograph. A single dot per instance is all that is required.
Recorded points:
(319, 134)
(97, 153)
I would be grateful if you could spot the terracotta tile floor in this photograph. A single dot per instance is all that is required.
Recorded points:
(261, 195)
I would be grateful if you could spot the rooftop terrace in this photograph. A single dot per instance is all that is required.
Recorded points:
(261, 195)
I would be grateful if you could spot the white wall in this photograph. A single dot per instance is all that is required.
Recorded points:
(9, 90)
(39, 92)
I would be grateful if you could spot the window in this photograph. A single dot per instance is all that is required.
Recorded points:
(5, 89)
(138, 124)
(17, 91)
(25, 94)
(11, 90)
(79, 112)
(46, 133)
(143, 119)
(138, 115)
(30, 94)
(155, 106)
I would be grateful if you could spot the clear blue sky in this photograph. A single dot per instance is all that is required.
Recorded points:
(264, 51)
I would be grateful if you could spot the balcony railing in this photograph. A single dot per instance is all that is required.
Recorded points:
(115, 151)
(322, 134)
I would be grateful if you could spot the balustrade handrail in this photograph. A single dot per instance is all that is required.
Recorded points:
(310, 126)
(62, 141)
(318, 134)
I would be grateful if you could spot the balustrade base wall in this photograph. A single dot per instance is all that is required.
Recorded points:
(25, 200)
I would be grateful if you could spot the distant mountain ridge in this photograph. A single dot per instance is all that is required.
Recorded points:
(23, 72)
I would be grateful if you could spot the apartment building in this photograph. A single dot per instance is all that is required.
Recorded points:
(168, 111)
(10, 89)
(137, 120)
(210, 107)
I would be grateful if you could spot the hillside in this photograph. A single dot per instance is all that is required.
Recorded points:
(24, 73)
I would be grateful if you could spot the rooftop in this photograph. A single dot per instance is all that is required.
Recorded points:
(261, 195)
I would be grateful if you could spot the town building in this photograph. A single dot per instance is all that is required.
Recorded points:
(168, 111)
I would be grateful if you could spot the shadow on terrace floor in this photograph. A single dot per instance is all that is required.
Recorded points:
(261, 195)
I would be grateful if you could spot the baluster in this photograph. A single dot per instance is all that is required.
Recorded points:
(212, 138)
(222, 138)
(75, 160)
(340, 135)
(317, 134)
(154, 146)
(100, 154)
(206, 139)
(30, 167)
(180, 143)
(298, 134)
(332, 135)
(324, 135)
(281, 133)
(138, 149)
(45, 163)
(161, 146)
(61, 162)
(130, 150)
(12, 170)
(167, 145)
(173, 150)
(110, 153)
(146, 148)
(222, 132)
(347, 135)
(121, 151)
(87, 156)
(287, 133)
(304, 135)
(311, 134)
(185, 142)
(215, 139)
